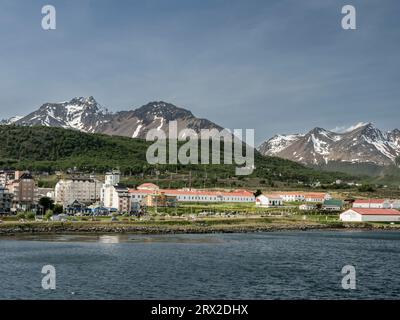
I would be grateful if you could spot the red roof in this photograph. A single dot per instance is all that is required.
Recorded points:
(369, 201)
(381, 212)
(315, 195)
(148, 185)
(272, 196)
(141, 191)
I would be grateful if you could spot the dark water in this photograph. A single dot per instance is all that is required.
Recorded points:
(281, 265)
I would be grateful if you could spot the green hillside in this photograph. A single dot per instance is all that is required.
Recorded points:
(45, 149)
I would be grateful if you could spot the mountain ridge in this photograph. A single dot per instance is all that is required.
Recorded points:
(363, 143)
(87, 115)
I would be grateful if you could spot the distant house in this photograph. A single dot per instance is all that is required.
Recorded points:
(371, 203)
(148, 186)
(292, 195)
(368, 214)
(332, 205)
(269, 200)
(75, 207)
(159, 200)
(318, 197)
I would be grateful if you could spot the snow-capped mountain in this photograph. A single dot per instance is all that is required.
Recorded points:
(86, 115)
(362, 143)
(83, 114)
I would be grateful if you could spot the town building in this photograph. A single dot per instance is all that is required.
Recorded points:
(159, 200)
(5, 200)
(113, 194)
(24, 190)
(81, 189)
(318, 197)
(148, 186)
(292, 196)
(269, 200)
(370, 215)
(194, 195)
(46, 192)
(372, 203)
(332, 205)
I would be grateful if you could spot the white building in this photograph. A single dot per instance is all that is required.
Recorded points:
(318, 197)
(113, 194)
(194, 195)
(368, 214)
(292, 196)
(83, 190)
(372, 203)
(268, 200)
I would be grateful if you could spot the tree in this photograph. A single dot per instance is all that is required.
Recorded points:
(257, 193)
(58, 208)
(366, 188)
(46, 203)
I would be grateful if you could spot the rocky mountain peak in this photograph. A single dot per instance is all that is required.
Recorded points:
(87, 115)
(360, 143)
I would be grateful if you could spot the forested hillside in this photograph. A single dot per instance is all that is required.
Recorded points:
(49, 149)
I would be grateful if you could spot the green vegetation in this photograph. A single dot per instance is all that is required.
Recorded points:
(45, 149)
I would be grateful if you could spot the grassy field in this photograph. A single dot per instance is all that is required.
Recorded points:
(186, 224)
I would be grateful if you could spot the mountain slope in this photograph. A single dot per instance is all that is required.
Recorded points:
(42, 148)
(154, 115)
(86, 115)
(362, 144)
(83, 114)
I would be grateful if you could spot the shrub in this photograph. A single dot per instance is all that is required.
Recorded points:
(21, 215)
(48, 215)
(30, 216)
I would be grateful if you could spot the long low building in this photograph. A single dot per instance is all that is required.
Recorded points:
(194, 195)
(370, 215)
(377, 203)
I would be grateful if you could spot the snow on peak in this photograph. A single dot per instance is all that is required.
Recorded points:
(344, 129)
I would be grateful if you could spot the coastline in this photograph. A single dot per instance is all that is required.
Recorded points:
(182, 227)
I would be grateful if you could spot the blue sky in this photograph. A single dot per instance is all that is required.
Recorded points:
(275, 66)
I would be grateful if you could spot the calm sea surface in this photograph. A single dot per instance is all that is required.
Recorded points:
(276, 265)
